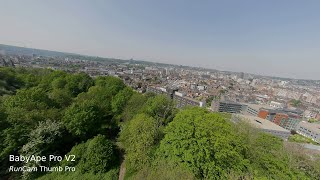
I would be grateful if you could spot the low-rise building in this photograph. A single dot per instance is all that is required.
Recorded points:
(276, 104)
(282, 117)
(226, 106)
(310, 130)
(252, 109)
(179, 97)
(156, 90)
(264, 125)
(201, 87)
(183, 101)
(310, 114)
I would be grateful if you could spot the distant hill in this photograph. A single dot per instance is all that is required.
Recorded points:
(15, 50)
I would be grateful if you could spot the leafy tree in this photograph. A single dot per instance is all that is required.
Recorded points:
(23, 112)
(94, 159)
(97, 155)
(3, 119)
(61, 97)
(138, 138)
(210, 99)
(20, 123)
(83, 119)
(48, 78)
(14, 138)
(113, 84)
(100, 155)
(30, 80)
(119, 101)
(100, 96)
(9, 82)
(295, 103)
(29, 99)
(78, 83)
(150, 95)
(269, 158)
(3, 125)
(312, 120)
(44, 139)
(36, 73)
(79, 152)
(161, 108)
(29, 106)
(134, 106)
(264, 153)
(59, 82)
(204, 143)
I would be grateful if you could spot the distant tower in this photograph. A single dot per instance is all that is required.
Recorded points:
(242, 75)
(11, 63)
(4, 62)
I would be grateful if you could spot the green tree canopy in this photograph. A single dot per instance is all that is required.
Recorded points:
(113, 84)
(120, 100)
(99, 156)
(138, 137)
(203, 142)
(295, 102)
(161, 108)
(83, 119)
(61, 97)
(9, 81)
(45, 139)
(29, 99)
(134, 106)
(78, 83)
(100, 96)
(96, 155)
(94, 159)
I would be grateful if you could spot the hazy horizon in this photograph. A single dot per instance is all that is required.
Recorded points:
(268, 38)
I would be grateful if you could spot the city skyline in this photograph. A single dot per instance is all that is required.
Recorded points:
(273, 38)
(60, 53)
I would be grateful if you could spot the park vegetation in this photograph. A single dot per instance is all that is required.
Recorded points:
(105, 123)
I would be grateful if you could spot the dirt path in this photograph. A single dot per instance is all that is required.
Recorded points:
(122, 171)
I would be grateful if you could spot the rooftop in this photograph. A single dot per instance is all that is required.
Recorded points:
(282, 111)
(258, 106)
(261, 123)
(311, 126)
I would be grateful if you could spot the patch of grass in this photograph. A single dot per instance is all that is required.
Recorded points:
(301, 139)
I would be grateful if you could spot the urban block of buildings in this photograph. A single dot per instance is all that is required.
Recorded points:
(180, 99)
(309, 130)
(263, 125)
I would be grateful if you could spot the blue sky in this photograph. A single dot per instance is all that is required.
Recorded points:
(270, 37)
